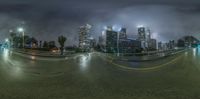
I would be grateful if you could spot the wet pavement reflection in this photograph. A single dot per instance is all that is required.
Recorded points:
(92, 76)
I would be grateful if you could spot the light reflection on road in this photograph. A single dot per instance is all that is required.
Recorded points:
(6, 54)
(198, 51)
(194, 52)
(33, 57)
(13, 68)
(16, 72)
(186, 53)
(84, 61)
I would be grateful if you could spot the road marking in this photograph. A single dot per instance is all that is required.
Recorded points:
(141, 69)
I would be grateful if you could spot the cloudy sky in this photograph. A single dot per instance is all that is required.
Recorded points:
(46, 19)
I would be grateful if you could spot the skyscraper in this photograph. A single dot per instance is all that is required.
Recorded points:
(142, 37)
(141, 34)
(152, 44)
(171, 44)
(148, 35)
(111, 40)
(84, 35)
(122, 34)
(160, 47)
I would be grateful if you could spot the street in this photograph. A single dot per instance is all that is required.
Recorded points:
(95, 76)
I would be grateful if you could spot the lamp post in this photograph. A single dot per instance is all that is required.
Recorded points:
(21, 30)
(117, 43)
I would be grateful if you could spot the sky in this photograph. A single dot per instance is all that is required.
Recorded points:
(47, 19)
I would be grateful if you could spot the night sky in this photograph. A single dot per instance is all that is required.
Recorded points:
(47, 19)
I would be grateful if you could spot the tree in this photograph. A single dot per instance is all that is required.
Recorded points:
(61, 41)
(13, 39)
(40, 44)
(34, 42)
(26, 40)
(31, 41)
(45, 44)
(52, 44)
(19, 42)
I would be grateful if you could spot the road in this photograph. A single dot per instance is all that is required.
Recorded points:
(95, 76)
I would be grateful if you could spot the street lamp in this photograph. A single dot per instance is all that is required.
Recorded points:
(6, 40)
(21, 30)
(118, 33)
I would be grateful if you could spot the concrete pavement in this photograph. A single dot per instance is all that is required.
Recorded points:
(90, 76)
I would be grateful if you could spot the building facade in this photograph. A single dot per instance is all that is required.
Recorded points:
(111, 41)
(141, 34)
(84, 35)
(129, 46)
(152, 44)
(142, 37)
(122, 34)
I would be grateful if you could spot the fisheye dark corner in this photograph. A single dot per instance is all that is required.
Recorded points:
(99, 49)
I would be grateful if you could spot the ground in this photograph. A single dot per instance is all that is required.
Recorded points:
(93, 76)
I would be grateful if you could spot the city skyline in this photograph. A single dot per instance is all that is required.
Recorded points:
(167, 20)
(115, 28)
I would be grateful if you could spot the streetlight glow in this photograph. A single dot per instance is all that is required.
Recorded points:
(139, 26)
(20, 29)
(6, 40)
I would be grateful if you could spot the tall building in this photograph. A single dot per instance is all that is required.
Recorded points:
(111, 40)
(141, 34)
(142, 37)
(129, 46)
(160, 47)
(101, 40)
(84, 35)
(171, 44)
(122, 34)
(152, 44)
(148, 35)
(92, 42)
(108, 40)
(166, 46)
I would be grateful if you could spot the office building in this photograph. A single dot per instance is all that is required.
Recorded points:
(171, 44)
(111, 40)
(129, 46)
(152, 44)
(84, 35)
(141, 34)
(122, 34)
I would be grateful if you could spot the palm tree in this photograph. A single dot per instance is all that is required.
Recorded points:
(61, 41)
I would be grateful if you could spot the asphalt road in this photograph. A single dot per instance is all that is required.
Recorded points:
(95, 76)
